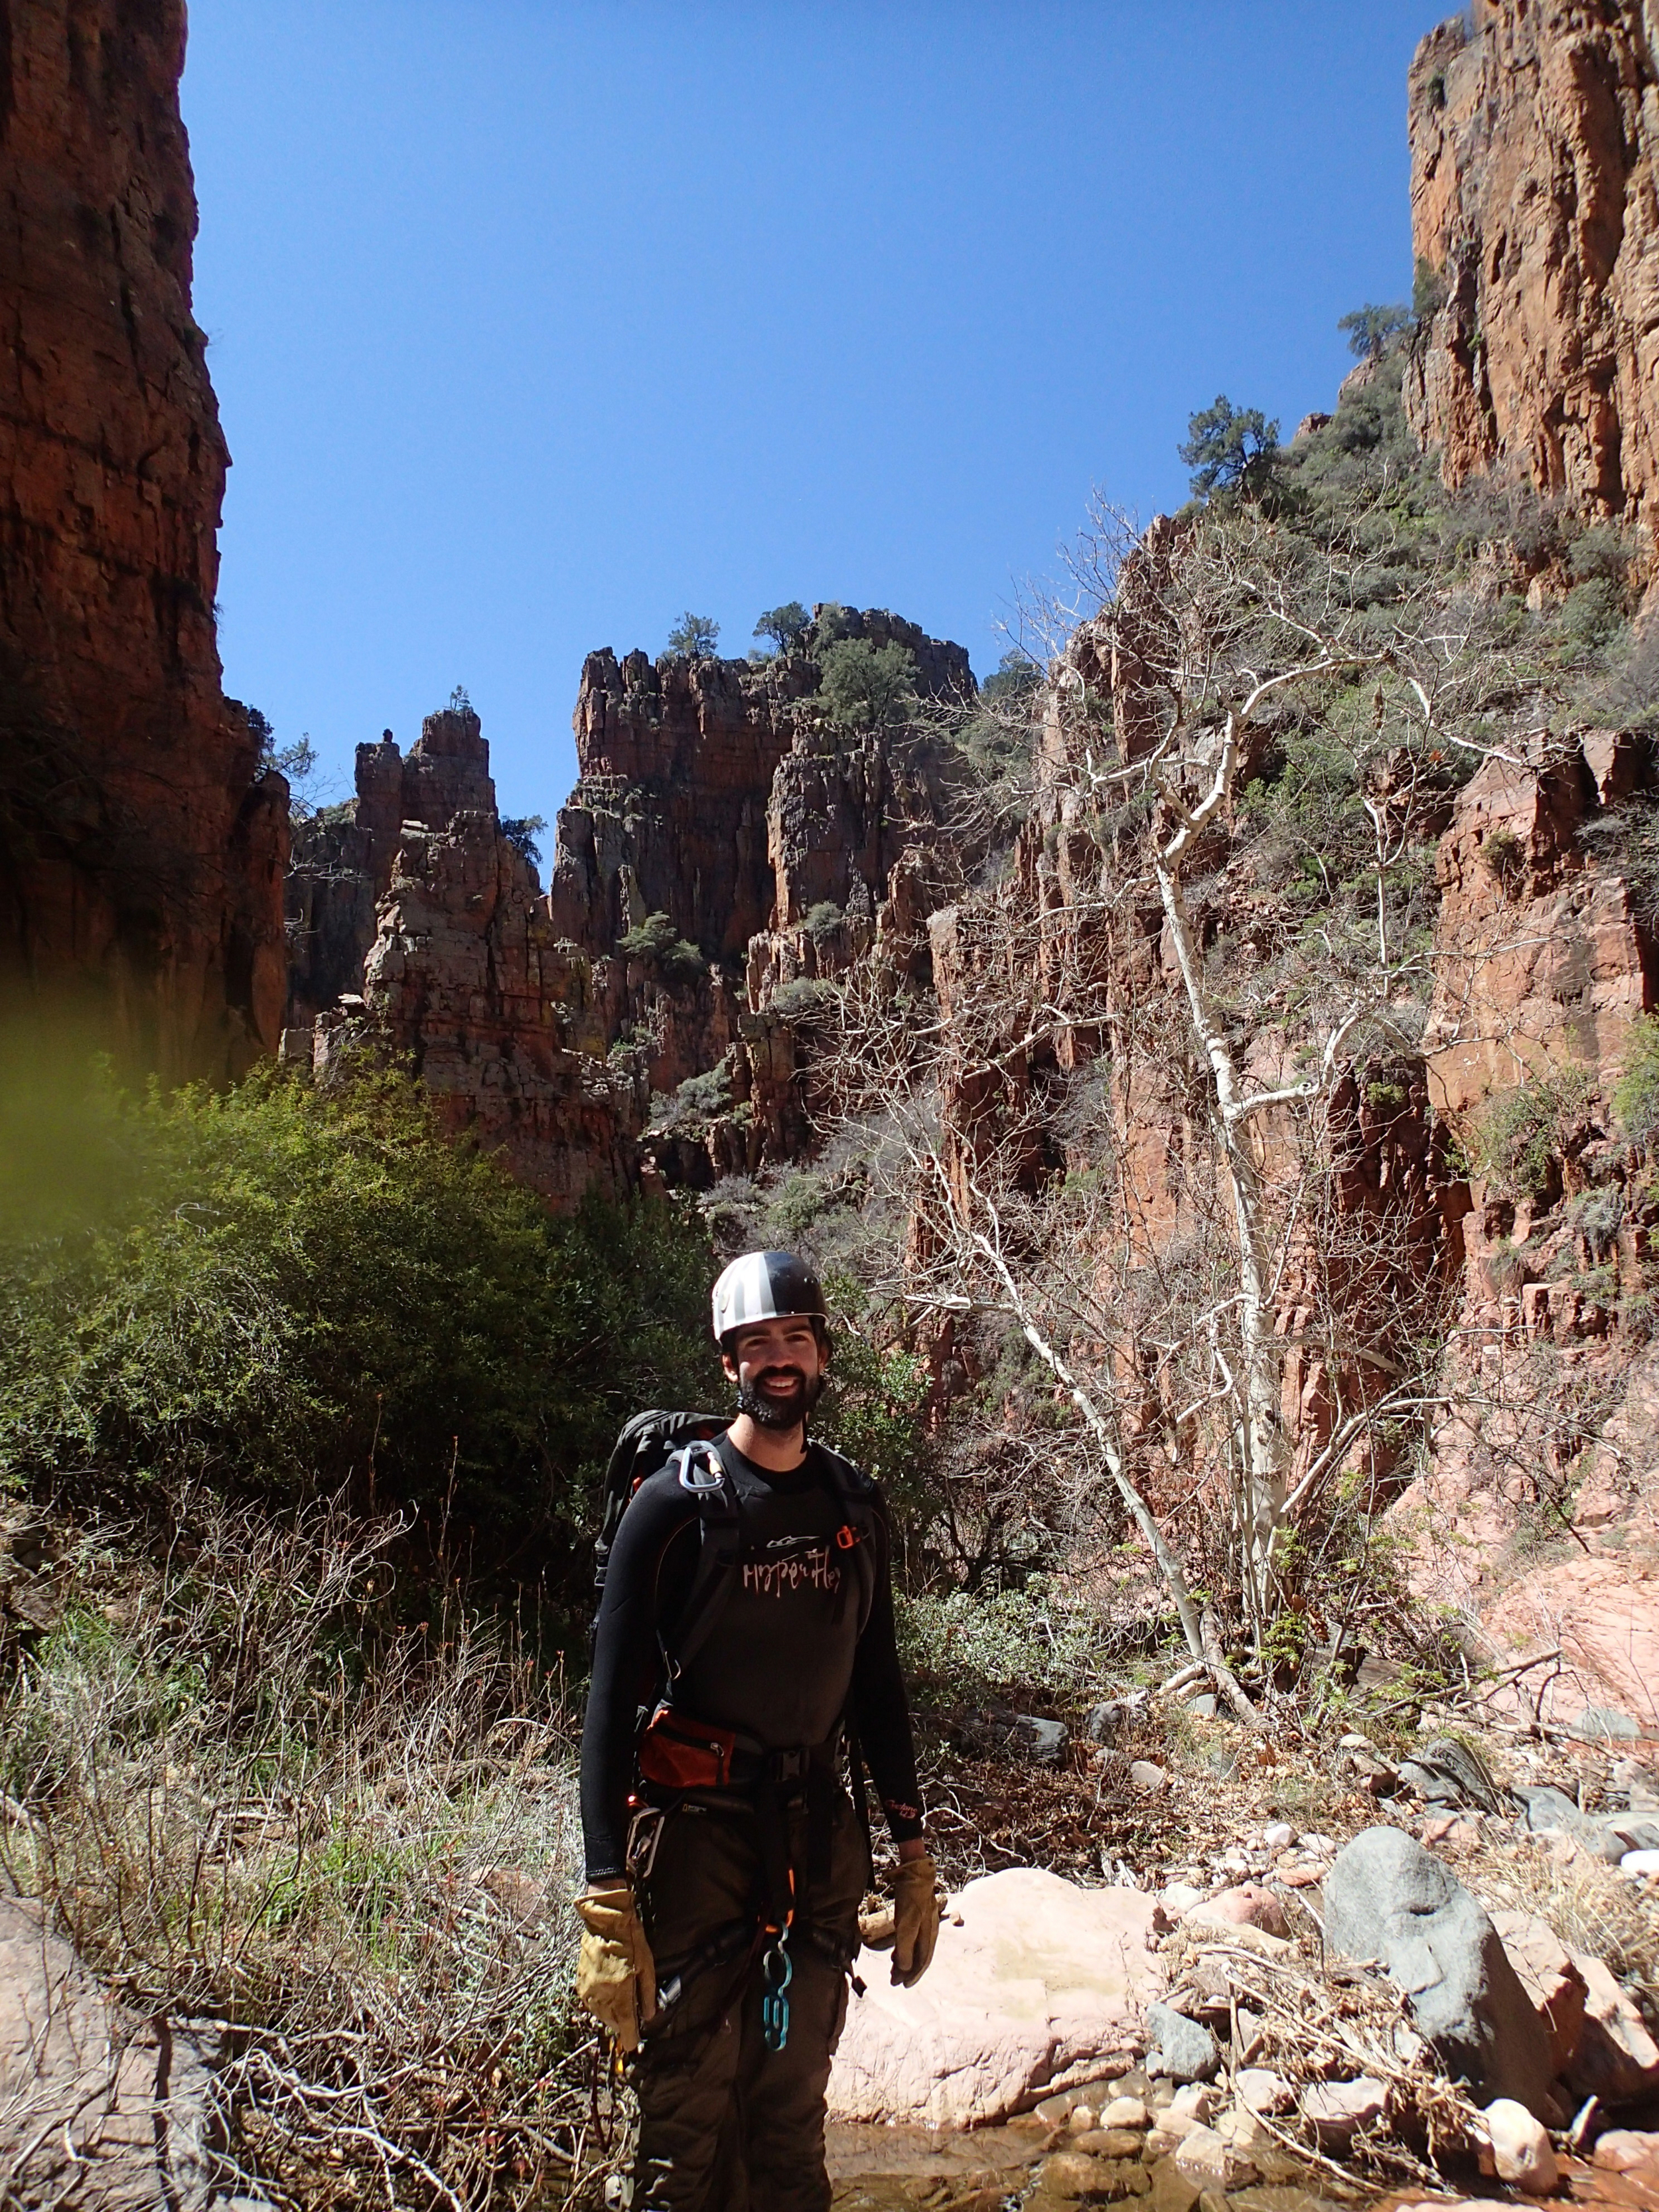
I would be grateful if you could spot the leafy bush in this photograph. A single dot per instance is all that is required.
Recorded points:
(697, 1100)
(1636, 1094)
(867, 687)
(277, 1290)
(695, 634)
(1014, 677)
(802, 1000)
(1591, 613)
(823, 921)
(1016, 1641)
(656, 939)
(1522, 1136)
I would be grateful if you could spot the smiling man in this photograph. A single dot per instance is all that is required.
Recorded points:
(748, 1610)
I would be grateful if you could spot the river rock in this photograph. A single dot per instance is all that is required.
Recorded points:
(1211, 2160)
(1386, 1898)
(1518, 2149)
(1184, 2050)
(1338, 2110)
(1246, 1904)
(1627, 2150)
(1037, 1986)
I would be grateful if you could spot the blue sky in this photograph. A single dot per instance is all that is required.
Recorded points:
(534, 323)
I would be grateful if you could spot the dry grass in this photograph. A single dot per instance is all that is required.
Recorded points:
(251, 1798)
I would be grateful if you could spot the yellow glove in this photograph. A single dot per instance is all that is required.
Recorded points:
(915, 1920)
(616, 1975)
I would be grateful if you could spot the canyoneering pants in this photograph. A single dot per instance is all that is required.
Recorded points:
(727, 2124)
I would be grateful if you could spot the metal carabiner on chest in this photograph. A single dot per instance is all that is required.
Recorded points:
(777, 1971)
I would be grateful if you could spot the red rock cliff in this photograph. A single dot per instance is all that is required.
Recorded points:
(141, 851)
(1534, 208)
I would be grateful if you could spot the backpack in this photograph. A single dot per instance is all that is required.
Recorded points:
(647, 1444)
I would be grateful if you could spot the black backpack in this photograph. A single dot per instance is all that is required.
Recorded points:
(648, 1443)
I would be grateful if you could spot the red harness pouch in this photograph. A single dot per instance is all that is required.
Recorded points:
(679, 1753)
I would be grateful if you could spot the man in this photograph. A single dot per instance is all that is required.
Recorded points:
(748, 1601)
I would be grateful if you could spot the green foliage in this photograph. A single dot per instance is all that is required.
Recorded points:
(695, 634)
(1229, 448)
(1636, 1096)
(1521, 1135)
(656, 940)
(786, 626)
(1013, 1641)
(823, 921)
(1014, 678)
(700, 1099)
(802, 1000)
(867, 687)
(1428, 290)
(830, 622)
(521, 831)
(1590, 616)
(277, 1289)
(1370, 330)
(1503, 855)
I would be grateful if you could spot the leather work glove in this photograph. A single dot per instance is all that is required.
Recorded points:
(915, 1920)
(616, 1975)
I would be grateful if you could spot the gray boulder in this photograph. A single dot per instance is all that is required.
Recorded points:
(1547, 1809)
(1186, 2051)
(1042, 1741)
(1388, 1898)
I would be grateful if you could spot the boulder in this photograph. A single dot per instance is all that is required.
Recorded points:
(1556, 1987)
(1035, 1986)
(100, 2107)
(1259, 2089)
(1146, 1777)
(1388, 1898)
(1617, 2059)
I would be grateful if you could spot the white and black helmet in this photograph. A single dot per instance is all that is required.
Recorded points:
(765, 1286)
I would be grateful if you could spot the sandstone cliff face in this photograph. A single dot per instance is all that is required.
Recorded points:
(410, 912)
(141, 852)
(1534, 202)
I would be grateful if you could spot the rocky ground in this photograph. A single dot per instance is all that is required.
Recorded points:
(1420, 1972)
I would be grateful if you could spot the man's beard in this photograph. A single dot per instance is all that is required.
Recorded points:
(768, 1411)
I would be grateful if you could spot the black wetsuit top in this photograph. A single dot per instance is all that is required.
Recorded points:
(783, 1661)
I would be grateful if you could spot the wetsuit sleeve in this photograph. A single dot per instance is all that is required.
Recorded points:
(881, 1709)
(660, 1518)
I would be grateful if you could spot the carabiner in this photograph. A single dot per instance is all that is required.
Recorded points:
(779, 1970)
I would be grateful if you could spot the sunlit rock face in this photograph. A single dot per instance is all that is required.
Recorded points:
(141, 848)
(1534, 211)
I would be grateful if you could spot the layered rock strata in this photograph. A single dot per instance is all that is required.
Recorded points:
(142, 847)
(1535, 217)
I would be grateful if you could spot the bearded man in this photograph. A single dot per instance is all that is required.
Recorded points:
(748, 1609)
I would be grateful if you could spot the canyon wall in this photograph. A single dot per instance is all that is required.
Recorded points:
(142, 847)
(725, 850)
(1535, 219)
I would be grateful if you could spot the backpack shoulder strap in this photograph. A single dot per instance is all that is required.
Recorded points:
(860, 1501)
(702, 1472)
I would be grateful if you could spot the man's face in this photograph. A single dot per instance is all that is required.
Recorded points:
(779, 1369)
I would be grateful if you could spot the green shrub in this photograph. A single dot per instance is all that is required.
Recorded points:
(1521, 1135)
(1013, 1641)
(1591, 613)
(1230, 448)
(277, 1290)
(1636, 1094)
(656, 940)
(823, 921)
(801, 1000)
(867, 687)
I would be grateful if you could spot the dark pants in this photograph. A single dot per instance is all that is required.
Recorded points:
(727, 2125)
